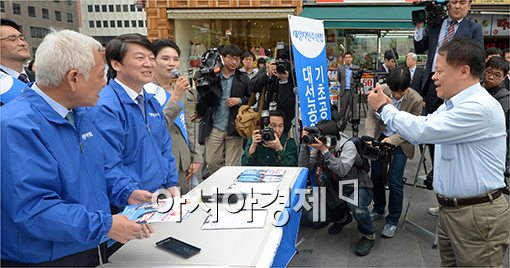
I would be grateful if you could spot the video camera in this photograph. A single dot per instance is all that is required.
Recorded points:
(372, 149)
(210, 66)
(314, 132)
(282, 58)
(377, 77)
(433, 14)
(267, 132)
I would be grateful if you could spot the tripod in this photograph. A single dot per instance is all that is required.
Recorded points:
(350, 108)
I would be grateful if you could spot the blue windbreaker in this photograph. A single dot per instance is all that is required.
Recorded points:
(54, 193)
(144, 147)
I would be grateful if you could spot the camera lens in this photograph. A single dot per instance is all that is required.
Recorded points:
(280, 68)
(307, 139)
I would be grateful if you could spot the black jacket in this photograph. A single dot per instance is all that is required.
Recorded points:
(502, 95)
(208, 101)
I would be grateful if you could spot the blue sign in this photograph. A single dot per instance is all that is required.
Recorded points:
(309, 51)
(10, 87)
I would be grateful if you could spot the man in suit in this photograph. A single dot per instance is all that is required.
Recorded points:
(15, 51)
(345, 79)
(390, 61)
(431, 38)
(415, 71)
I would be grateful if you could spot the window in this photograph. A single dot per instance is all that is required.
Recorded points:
(70, 17)
(96, 8)
(16, 9)
(58, 16)
(45, 13)
(125, 8)
(103, 8)
(91, 24)
(132, 8)
(2, 6)
(133, 23)
(68, 2)
(112, 24)
(110, 8)
(140, 23)
(31, 11)
(98, 24)
(90, 8)
(38, 32)
(117, 8)
(105, 24)
(119, 24)
(139, 9)
(126, 23)
(56, 1)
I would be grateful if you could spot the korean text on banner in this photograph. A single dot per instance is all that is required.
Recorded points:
(309, 50)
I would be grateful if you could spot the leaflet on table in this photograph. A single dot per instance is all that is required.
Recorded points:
(163, 212)
(261, 175)
(240, 220)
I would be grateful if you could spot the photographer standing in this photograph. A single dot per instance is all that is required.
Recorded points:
(271, 146)
(405, 99)
(218, 106)
(337, 159)
(277, 78)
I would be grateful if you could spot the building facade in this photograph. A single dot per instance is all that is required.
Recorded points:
(104, 20)
(38, 17)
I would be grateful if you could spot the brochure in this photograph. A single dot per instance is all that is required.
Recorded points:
(261, 175)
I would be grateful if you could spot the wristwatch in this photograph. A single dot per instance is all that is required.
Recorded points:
(379, 110)
(325, 151)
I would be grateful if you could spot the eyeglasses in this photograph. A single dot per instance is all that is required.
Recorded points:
(232, 58)
(461, 2)
(497, 75)
(14, 38)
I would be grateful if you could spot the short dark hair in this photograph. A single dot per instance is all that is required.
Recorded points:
(10, 23)
(497, 63)
(464, 51)
(117, 48)
(348, 53)
(328, 127)
(161, 43)
(493, 51)
(398, 79)
(247, 54)
(277, 113)
(231, 50)
(390, 54)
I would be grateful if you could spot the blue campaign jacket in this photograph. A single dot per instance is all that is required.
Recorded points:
(54, 193)
(144, 148)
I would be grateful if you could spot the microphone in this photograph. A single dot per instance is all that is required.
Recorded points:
(175, 73)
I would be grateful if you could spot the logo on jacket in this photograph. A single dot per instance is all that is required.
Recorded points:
(154, 114)
(87, 135)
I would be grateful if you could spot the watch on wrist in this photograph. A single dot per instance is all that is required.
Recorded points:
(379, 110)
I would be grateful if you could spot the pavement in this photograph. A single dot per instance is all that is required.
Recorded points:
(410, 247)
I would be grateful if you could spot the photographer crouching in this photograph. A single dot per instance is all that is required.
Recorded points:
(406, 99)
(270, 145)
(335, 158)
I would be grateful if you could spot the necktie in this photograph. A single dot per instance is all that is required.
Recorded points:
(141, 104)
(450, 32)
(70, 118)
(24, 78)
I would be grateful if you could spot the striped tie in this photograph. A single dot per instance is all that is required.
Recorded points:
(451, 32)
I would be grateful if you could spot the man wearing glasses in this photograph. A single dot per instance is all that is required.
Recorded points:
(430, 39)
(15, 51)
(218, 108)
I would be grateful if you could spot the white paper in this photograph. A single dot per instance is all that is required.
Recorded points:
(240, 220)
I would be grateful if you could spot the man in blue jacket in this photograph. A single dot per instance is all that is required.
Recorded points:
(55, 200)
(132, 120)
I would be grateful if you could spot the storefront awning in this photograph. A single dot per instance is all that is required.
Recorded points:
(230, 13)
(362, 17)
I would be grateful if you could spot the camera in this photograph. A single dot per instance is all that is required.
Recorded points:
(372, 149)
(210, 66)
(266, 132)
(314, 132)
(282, 58)
(433, 14)
(357, 74)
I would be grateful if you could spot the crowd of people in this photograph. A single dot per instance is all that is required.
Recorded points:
(77, 148)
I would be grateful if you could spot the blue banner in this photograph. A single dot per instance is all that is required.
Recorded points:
(309, 51)
(10, 87)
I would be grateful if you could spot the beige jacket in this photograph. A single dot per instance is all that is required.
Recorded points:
(412, 103)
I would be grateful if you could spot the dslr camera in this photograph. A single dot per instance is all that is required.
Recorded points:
(314, 132)
(266, 132)
(210, 66)
(372, 149)
(282, 58)
(433, 13)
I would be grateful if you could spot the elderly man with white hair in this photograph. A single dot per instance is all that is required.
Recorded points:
(55, 202)
(415, 71)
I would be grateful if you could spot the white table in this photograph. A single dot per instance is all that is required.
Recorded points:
(228, 247)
